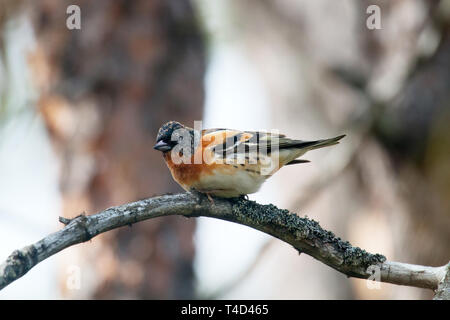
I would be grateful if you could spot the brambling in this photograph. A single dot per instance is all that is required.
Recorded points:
(228, 163)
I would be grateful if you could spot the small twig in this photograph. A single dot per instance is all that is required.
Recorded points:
(64, 221)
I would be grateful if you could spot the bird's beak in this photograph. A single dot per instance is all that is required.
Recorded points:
(162, 146)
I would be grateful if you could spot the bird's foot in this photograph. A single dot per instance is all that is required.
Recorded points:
(244, 197)
(202, 193)
(210, 198)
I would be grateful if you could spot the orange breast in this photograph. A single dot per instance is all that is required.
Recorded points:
(188, 174)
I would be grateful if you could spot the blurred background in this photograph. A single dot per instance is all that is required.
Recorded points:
(80, 109)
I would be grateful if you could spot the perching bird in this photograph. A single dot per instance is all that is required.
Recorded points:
(228, 163)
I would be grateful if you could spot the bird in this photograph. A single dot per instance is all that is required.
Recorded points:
(228, 163)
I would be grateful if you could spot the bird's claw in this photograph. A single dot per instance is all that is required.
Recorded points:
(244, 197)
(210, 198)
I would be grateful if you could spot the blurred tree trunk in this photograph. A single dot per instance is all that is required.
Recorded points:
(416, 135)
(325, 71)
(105, 91)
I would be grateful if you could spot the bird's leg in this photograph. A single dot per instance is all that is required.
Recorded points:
(244, 197)
(203, 193)
(210, 198)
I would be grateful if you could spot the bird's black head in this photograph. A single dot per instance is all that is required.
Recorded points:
(167, 137)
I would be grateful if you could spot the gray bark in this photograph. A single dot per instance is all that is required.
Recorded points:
(304, 234)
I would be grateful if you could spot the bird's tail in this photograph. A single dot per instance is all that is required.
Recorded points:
(326, 142)
(311, 145)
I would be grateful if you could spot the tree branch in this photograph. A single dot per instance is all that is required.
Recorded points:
(303, 234)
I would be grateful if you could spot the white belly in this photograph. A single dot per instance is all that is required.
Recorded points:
(239, 183)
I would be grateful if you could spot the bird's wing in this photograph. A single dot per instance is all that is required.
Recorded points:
(228, 144)
(250, 150)
(228, 141)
